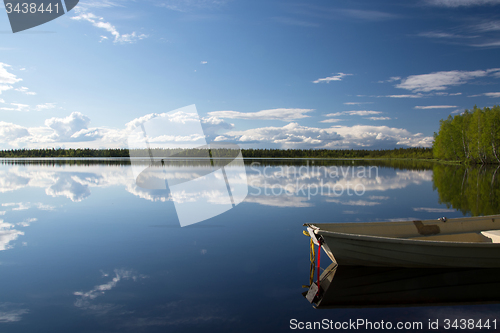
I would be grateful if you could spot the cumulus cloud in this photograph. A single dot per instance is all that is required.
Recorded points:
(442, 80)
(66, 128)
(99, 22)
(492, 94)
(10, 132)
(294, 135)
(337, 77)
(213, 125)
(272, 114)
(70, 188)
(426, 107)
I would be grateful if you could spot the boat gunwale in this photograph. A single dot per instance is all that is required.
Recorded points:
(403, 240)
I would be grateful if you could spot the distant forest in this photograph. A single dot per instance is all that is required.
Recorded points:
(472, 137)
(414, 153)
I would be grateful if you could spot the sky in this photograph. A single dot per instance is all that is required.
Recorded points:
(357, 74)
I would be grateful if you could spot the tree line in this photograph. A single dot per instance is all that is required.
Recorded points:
(471, 137)
(415, 153)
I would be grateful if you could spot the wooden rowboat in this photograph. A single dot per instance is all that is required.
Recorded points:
(460, 242)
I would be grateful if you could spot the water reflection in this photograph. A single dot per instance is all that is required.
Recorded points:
(357, 286)
(11, 312)
(85, 300)
(471, 190)
(351, 187)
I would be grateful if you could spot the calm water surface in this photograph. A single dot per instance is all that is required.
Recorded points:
(84, 249)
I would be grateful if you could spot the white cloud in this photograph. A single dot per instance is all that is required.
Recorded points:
(25, 90)
(7, 235)
(85, 298)
(378, 197)
(391, 79)
(99, 23)
(332, 120)
(492, 94)
(10, 132)
(272, 114)
(17, 107)
(352, 113)
(433, 210)
(294, 135)
(46, 106)
(27, 222)
(279, 201)
(66, 128)
(426, 107)
(488, 44)
(441, 80)
(337, 77)
(405, 96)
(6, 78)
(356, 103)
(378, 118)
(460, 3)
(354, 202)
(204, 62)
(10, 312)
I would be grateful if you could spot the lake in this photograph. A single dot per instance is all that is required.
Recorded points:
(83, 248)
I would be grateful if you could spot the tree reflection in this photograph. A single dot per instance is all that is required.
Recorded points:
(471, 190)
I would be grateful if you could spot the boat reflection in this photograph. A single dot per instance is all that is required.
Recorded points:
(360, 287)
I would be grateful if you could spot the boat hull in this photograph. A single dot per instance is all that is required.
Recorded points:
(362, 250)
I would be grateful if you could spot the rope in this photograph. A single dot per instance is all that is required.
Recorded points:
(319, 258)
(312, 259)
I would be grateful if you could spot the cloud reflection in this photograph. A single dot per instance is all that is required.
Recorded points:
(84, 300)
(7, 235)
(10, 312)
(278, 186)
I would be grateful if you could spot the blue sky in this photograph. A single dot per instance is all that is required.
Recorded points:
(263, 74)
